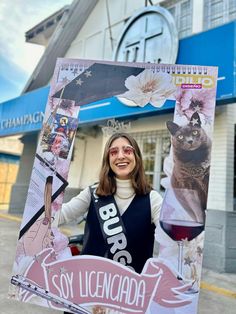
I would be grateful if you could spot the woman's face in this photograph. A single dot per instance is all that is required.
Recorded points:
(122, 158)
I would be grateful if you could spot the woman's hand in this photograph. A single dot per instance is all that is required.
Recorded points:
(98, 310)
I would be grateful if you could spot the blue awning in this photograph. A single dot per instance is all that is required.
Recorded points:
(215, 47)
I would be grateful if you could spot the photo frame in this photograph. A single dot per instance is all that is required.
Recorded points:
(88, 91)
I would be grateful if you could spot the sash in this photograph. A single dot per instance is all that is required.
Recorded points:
(112, 228)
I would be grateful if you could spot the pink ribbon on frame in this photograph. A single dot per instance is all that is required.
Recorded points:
(89, 280)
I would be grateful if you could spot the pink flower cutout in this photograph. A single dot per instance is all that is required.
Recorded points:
(190, 101)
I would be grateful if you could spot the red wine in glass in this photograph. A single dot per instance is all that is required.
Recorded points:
(180, 229)
(174, 222)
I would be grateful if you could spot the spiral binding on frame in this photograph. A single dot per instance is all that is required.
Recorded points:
(73, 66)
(68, 71)
(22, 282)
(167, 68)
(179, 69)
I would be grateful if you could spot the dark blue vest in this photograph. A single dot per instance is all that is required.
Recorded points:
(139, 232)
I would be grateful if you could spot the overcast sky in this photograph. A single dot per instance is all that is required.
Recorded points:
(18, 58)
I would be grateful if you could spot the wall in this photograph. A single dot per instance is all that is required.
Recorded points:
(20, 189)
(92, 160)
(219, 246)
(93, 41)
(222, 170)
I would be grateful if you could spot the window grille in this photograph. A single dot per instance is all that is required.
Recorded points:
(182, 13)
(155, 146)
(218, 12)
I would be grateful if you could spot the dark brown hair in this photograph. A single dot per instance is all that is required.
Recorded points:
(107, 181)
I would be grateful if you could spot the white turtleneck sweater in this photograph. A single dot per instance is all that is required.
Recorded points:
(79, 204)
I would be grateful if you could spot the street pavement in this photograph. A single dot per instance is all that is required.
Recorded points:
(217, 295)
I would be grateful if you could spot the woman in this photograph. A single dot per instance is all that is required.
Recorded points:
(122, 203)
(121, 176)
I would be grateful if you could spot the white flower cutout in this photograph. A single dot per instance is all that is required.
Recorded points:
(148, 87)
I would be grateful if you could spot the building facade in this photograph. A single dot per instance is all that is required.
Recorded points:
(92, 29)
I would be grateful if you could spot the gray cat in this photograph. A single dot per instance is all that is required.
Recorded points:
(191, 155)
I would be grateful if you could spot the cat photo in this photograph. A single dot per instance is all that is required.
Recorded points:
(191, 158)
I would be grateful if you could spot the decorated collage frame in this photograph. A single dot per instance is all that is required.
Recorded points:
(87, 91)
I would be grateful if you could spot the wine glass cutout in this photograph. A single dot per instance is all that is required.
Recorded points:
(181, 223)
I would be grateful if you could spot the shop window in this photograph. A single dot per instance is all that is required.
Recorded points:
(8, 171)
(182, 13)
(155, 146)
(218, 12)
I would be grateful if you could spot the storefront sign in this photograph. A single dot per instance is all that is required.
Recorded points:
(36, 117)
(24, 113)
